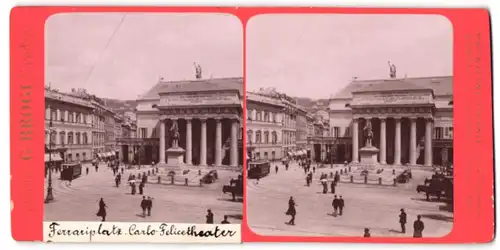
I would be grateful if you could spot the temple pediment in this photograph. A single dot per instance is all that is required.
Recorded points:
(216, 99)
(423, 97)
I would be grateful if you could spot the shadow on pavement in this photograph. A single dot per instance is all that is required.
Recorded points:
(438, 217)
(235, 216)
(395, 231)
(239, 200)
(446, 207)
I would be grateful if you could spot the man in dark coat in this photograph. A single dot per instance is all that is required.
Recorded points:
(210, 217)
(276, 168)
(149, 205)
(144, 205)
(291, 211)
(402, 220)
(367, 233)
(141, 188)
(418, 228)
(225, 221)
(341, 205)
(335, 204)
(333, 184)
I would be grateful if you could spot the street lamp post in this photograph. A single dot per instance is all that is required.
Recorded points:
(50, 195)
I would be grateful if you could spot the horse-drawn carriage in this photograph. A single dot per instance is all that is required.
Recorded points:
(235, 187)
(404, 177)
(439, 185)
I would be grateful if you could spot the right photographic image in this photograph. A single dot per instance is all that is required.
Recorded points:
(349, 125)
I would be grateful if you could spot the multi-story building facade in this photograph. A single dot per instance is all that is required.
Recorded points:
(301, 129)
(264, 126)
(411, 119)
(71, 132)
(207, 113)
(98, 132)
(109, 132)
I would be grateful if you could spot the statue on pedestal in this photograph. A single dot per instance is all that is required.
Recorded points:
(368, 133)
(174, 130)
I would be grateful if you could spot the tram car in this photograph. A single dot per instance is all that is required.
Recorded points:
(258, 169)
(71, 171)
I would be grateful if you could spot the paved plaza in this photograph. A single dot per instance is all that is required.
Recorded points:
(366, 206)
(171, 203)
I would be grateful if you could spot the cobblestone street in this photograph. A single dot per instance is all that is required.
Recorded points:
(366, 206)
(171, 203)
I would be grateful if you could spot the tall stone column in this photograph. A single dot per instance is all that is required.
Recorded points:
(355, 141)
(218, 142)
(189, 142)
(428, 142)
(203, 143)
(58, 115)
(234, 143)
(397, 142)
(413, 141)
(162, 141)
(383, 142)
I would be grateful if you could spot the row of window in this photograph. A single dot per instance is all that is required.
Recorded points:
(67, 116)
(70, 138)
(443, 133)
(263, 116)
(262, 137)
(265, 156)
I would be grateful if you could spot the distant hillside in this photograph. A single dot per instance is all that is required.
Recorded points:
(312, 105)
(120, 106)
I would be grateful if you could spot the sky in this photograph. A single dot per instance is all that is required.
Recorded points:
(122, 55)
(315, 56)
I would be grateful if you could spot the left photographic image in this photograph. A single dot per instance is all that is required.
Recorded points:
(143, 118)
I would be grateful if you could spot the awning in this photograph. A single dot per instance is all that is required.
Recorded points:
(52, 157)
(290, 153)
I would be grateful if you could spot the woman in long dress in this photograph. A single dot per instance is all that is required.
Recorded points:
(291, 211)
(102, 210)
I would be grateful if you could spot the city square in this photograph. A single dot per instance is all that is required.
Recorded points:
(79, 200)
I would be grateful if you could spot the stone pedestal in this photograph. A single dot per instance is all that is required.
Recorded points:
(368, 155)
(175, 156)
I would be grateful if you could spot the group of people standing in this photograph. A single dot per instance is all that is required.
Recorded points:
(210, 218)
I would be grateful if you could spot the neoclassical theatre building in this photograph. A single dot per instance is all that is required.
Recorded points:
(208, 113)
(411, 118)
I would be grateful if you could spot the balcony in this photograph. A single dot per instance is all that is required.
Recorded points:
(137, 141)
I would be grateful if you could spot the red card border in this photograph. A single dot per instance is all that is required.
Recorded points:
(473, 125)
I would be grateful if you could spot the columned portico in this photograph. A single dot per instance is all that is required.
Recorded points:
(413, 141)
(428, 142)
(383, 138)
(234, 143)
(397, 134)
(203, 143)
(162, 142)
(397, 141)
(189, 142)
(218, 142)
(355, 141)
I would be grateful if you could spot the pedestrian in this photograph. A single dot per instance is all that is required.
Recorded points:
(418, 228)
(341, 205)
(122, 170)
(314, 169)
(291, 211)
(210, 217)
(286, 167)
(141, 188)
(276, 168)
(117, 181)
(132, 184)
(144, 205)
(324, 182)
(337, 176)
(149, 205)
(402, 220)
(87, 170)
(333, 184)
(102, 210)
(225, 221)
(367, 233)
(335, 204)
(96, 168)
